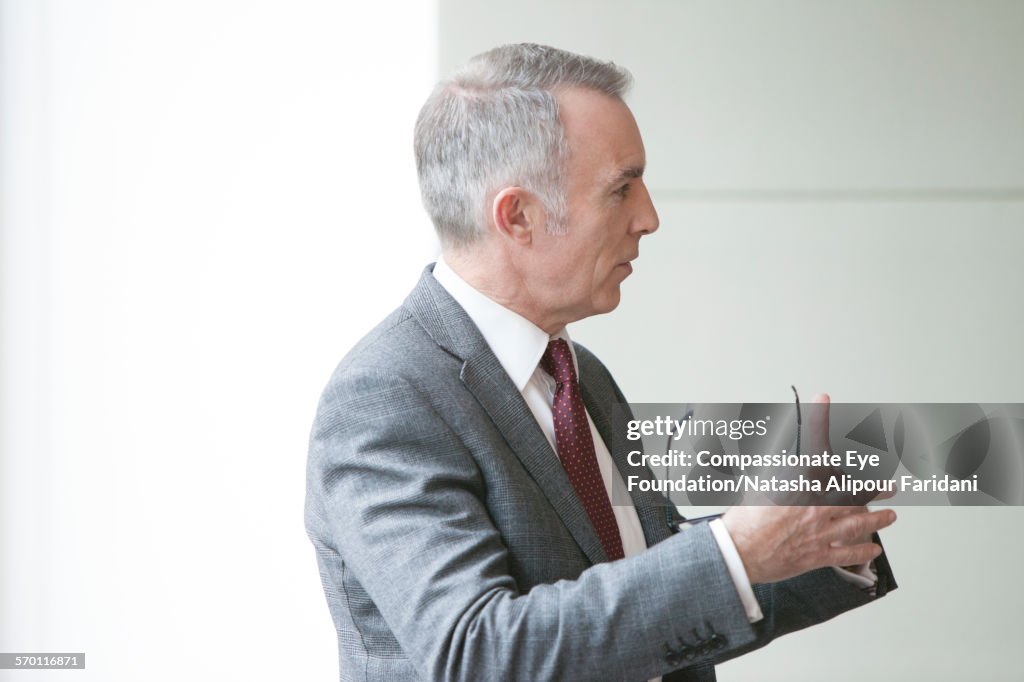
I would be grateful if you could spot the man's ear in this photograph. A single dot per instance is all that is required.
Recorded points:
(517, 213)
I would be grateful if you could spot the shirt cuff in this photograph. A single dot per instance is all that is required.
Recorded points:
(736, 571)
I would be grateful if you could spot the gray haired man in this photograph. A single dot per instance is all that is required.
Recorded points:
(459, 475)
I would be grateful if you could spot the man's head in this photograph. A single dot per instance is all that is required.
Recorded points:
(495, 124)
(530, 161)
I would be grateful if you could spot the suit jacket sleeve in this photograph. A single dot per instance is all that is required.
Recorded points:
(788, 605)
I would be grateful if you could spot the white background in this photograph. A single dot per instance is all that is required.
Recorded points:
(204, 205)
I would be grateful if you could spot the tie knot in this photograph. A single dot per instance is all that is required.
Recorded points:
(557, 361)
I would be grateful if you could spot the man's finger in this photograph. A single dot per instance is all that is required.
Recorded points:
(853, 526)
(851, 555)
(817, 423)
(839, 512)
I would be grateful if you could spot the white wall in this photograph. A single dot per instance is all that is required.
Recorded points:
(200, 207)
(841, 192)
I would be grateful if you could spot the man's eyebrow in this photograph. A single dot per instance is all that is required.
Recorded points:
(627, 173)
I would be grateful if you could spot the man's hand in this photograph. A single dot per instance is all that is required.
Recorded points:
(776, 543)
(780, 542)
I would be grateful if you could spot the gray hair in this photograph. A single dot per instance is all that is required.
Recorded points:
(495, 124)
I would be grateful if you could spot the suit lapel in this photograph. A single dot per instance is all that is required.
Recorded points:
(485, 378)
(450, 327)
(649, 506)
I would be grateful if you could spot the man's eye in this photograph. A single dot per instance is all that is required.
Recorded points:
(623, 191)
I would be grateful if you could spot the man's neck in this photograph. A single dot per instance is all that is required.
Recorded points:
(490, 275)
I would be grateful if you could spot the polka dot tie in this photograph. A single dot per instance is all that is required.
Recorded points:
(576, 446)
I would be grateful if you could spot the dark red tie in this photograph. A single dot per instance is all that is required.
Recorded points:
(576, 446)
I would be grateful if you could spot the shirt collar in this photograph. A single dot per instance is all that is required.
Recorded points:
(517, 343)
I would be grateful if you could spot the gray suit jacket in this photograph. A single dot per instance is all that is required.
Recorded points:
(452, 546)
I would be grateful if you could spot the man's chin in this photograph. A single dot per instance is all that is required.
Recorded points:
(608, 303)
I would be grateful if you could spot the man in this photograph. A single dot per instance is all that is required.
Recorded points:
(459, 475)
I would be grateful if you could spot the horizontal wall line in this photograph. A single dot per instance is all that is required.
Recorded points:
(909, 194)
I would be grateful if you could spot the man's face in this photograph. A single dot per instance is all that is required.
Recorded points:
(609, 209)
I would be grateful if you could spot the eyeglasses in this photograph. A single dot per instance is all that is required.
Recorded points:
(674, 524)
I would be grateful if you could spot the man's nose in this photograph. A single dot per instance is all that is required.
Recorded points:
(646, 220)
